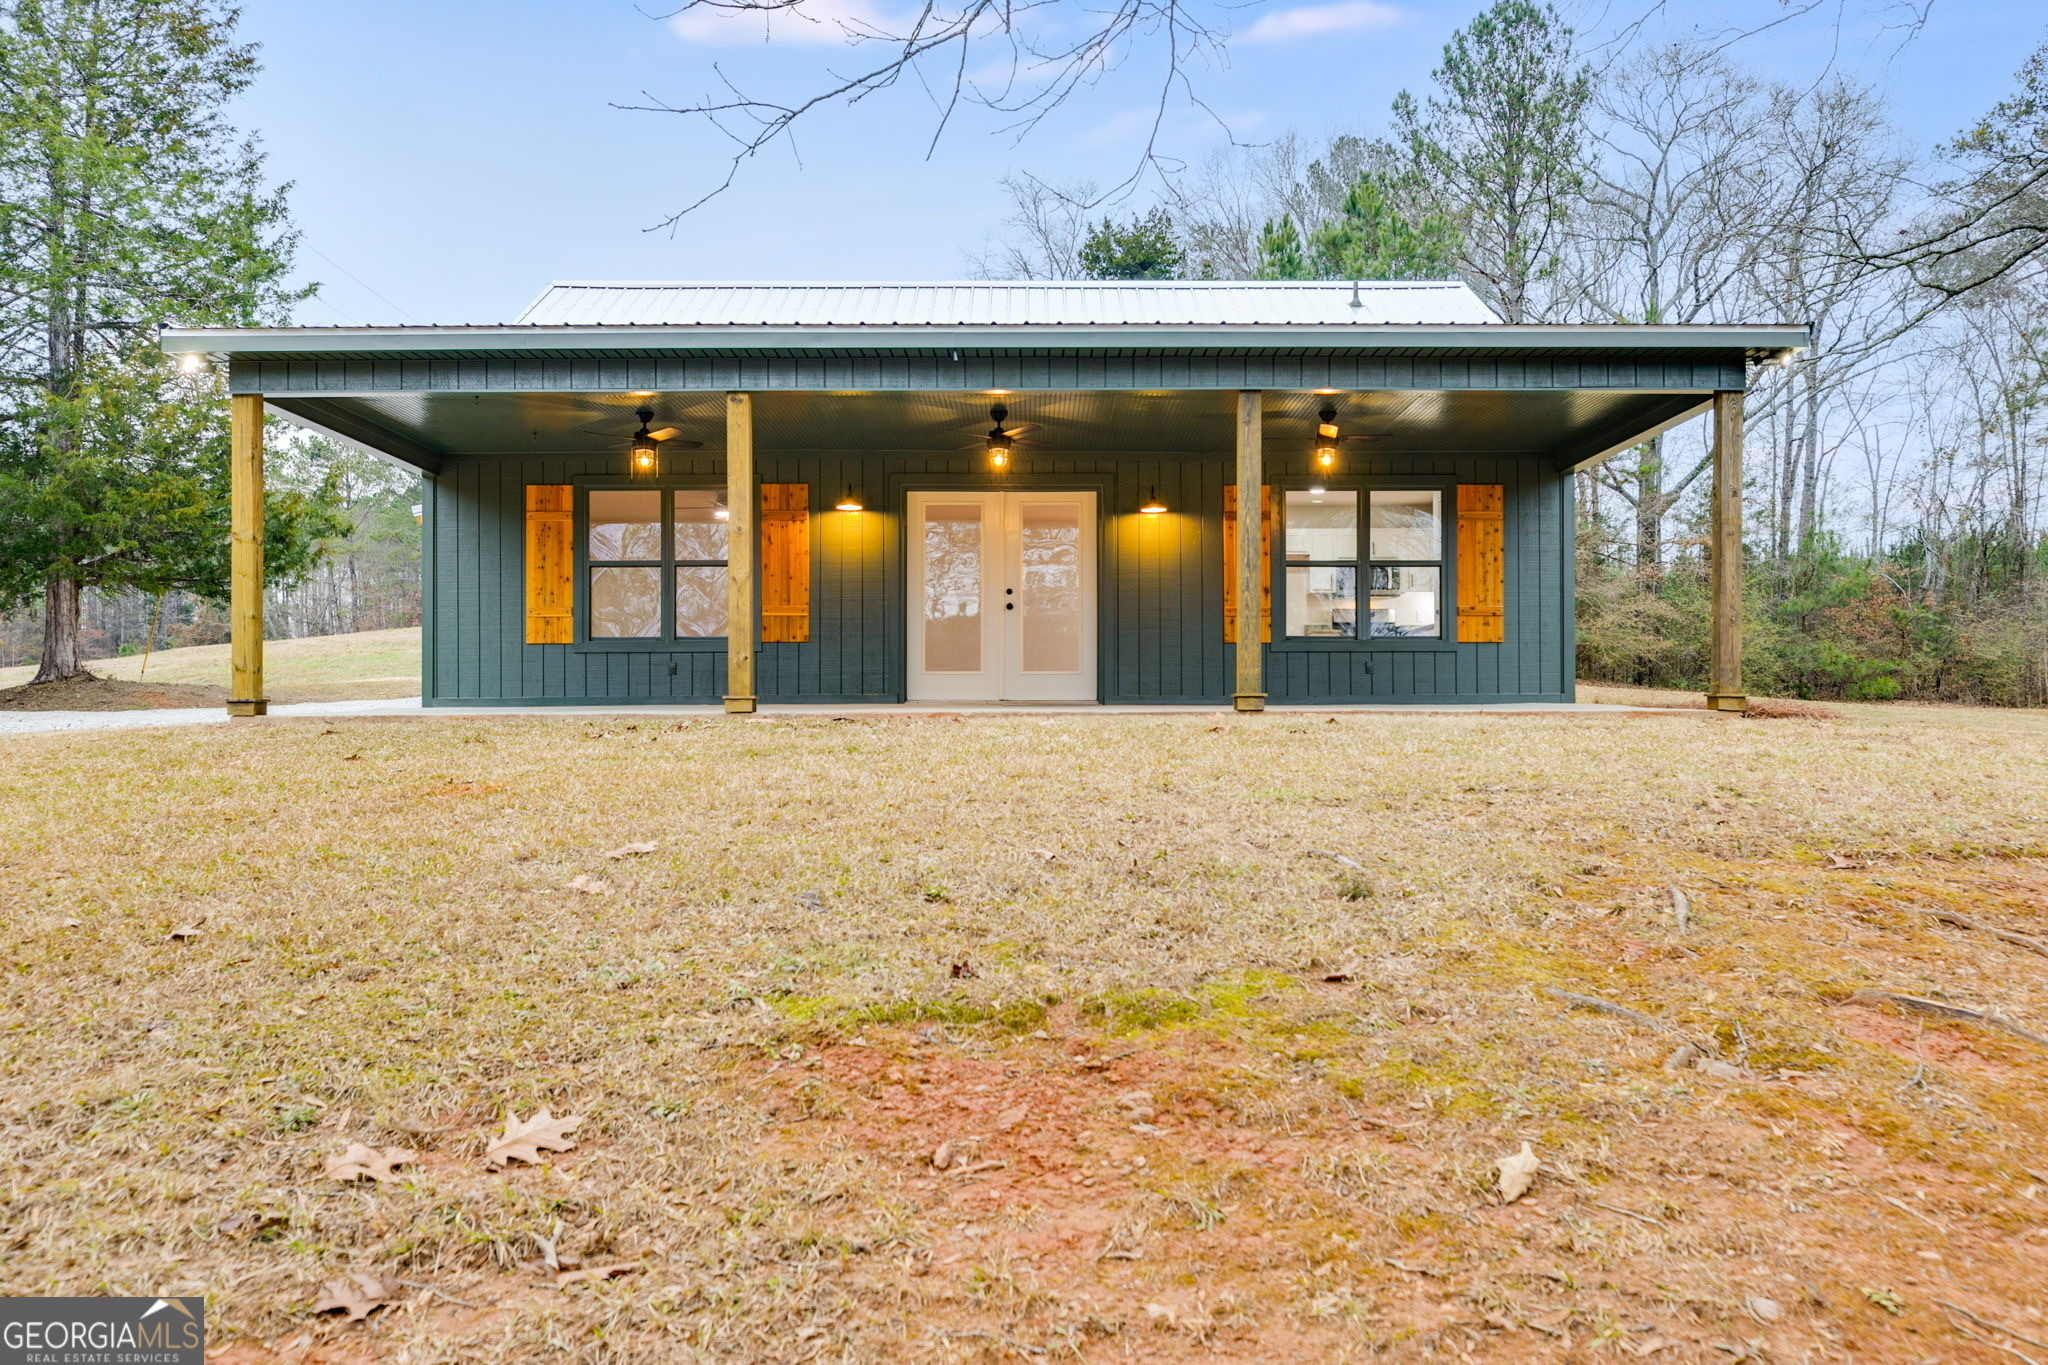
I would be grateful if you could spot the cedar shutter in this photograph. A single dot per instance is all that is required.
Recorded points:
(1230, 563)
(550, 563)
(785, 563)
(1482, 565)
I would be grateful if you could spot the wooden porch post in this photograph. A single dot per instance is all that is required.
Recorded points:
(245, 555)
(742, 579)
(1251, 568)
(1724, 672)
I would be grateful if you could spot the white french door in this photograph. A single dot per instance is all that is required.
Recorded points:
(1002, 596)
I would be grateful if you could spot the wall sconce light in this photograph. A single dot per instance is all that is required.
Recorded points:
(848, 502)
(1326, 441)
(192, 362)
(1152, 506)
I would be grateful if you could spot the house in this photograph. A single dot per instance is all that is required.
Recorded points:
(986, 492)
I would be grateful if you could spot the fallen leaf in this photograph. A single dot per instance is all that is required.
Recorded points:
(523, 1140)
(955, 1153)
(598, 1274)
(1344, 973)
(73, 923)
(1517, 1173)
(1159, 1312)
(1010, 1118)
(964, 968)
(184, 931)
(1837, 863)
(630, 850)
(355, 1297)
(1763, 1309)
(364, 1162)
(591, 886)
(1887, 1300)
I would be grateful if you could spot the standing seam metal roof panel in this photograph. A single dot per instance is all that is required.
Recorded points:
(1021, 303)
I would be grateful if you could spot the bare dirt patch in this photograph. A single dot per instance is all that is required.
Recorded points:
(108, 694)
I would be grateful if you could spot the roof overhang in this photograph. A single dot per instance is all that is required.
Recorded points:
(1758, 342)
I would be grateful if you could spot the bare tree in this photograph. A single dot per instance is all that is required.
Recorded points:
(1017, 61)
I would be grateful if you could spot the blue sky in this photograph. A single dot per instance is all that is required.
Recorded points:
(451, 156)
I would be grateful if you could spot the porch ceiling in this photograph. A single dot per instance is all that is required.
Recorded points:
(1568, 427)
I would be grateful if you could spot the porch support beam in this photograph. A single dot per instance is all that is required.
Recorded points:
(1724, 671)
(245, 556)
(743, 553)
(1251, 567)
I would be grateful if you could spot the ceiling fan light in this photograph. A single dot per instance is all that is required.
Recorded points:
(644, 459)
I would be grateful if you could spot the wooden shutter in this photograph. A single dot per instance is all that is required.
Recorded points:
(550, 563)
(1230, 563)
(1482, 565)
(785, 563)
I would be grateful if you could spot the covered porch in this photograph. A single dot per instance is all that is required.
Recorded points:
(1414, 544)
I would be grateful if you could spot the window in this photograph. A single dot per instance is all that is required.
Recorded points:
(1407, 549)
(1322, 564)
(1403, 564)
(656, 561)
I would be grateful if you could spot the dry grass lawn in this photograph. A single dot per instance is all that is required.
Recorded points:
(1221, 1024)
(369, 665)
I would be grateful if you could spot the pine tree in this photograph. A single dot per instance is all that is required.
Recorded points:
(1280, 253)
(1500, 149)
(126, 202)
(1371, 238)
(1145, 248)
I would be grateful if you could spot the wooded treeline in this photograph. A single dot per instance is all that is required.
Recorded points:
(367, 576)
(1894, 522)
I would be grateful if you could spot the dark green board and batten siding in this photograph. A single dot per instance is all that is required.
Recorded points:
(1160, 588)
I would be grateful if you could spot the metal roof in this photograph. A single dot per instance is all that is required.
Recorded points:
(1008, 303)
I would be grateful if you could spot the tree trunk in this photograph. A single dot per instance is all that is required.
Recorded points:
(1650, 508)
(60, 633)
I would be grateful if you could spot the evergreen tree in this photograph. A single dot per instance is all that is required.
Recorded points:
(1371, 238)
(1145, 248)
(126, 202)
(1500, 149)
(1280, 253)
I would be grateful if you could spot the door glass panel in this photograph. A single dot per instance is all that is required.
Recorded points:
(953, 568)
(701, 521)
(1322, 601)
(1050, 570)
(1322, 524)
(625, 604)
(1406, 525)
(625, 525)
(700, 602)
(1404, 601)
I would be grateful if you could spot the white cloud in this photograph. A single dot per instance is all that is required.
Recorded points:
(827, 22)
(1310, 21)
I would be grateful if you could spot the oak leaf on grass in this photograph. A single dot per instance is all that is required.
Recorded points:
(591, 886)
(630, 850)
(1517, 1173)
(524, 1139)
(355, 1297)
(364, 1162)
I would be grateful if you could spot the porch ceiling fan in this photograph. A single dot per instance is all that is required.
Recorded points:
(637, 426)
(1001, 439)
